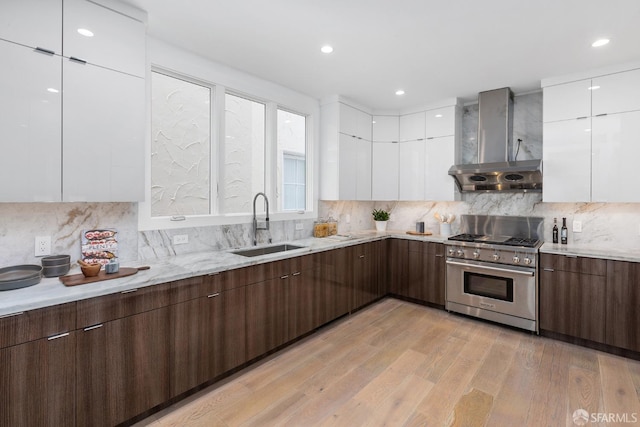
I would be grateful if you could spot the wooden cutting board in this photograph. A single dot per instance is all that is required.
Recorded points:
(79, 279)
(415, 233)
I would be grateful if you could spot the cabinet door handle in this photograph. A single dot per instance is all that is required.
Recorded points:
(286, 276)
(78, 60)
(549, 269)
(91, 328)
(213, 295)
(361, 256)
(601, 114)
(297, 273)
(582, 118)
(129, 291)
(439, 255)
(55, 337)
(12, 314)
(43, 50)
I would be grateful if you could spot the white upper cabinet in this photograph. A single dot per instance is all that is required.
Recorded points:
(33, 23)
(440, 122)
(567, 101)
(355, 122)
(103, 134)
(616, 150)
(412, 170)
(439, 156)
(117, 41)
(412, 127)
(30, 109)
(567, 161)
(385, 170)
(616, 93)
(386, 128)
(345, 153)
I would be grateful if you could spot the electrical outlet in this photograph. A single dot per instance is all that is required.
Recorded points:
(299, 226)
(43, 245)
(577, 226)
(180, 239)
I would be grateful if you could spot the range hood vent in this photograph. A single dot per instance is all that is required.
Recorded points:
(497, 170)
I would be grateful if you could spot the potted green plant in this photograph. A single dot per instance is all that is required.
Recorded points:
(380, 216)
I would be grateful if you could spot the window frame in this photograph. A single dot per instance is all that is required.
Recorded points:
(310, 112)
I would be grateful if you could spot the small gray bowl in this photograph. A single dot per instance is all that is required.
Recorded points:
(56, 260)
(55, 270)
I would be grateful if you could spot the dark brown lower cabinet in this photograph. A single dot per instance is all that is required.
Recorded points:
(571, 302)
(302, 314)
(397, 257)
(424, 278)
(37, 382)
(122, 367)
(622, 303)
(364, 261)
(266, 315)
(435, 267)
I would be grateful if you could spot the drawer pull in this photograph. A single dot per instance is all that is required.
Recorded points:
(361, 256)
(43, 50)
(91, 328)
(286, 276)
(439, 255)
(129, 291)
(549, 269)
(213, 295)
(55, 337)
(297, 273)
(12, 314)
(78, 60)
(601, 114)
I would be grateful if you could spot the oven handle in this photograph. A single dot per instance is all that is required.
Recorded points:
(501, 270)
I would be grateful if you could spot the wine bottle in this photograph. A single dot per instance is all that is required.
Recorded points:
(563, 232)
(555, 230)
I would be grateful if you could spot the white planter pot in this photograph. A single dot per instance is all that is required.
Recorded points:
(381, 226)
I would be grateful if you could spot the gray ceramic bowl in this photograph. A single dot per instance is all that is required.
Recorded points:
(56, 260)
(55, 270)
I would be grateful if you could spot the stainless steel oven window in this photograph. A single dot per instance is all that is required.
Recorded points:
(488, 286)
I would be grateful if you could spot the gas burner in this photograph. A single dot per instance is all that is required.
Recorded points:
(521, 241)
(466, 237)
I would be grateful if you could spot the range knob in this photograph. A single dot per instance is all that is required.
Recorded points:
(460, 252)
(516, 259)
(476, 254)
(452, 251)
(496, 256)
(527, 260)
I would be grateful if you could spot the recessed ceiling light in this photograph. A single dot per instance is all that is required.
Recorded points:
(438, 115)
(399, 92)
(85, 32)
(594, 87)
(52, 90)
(326, 49)
(600, 42)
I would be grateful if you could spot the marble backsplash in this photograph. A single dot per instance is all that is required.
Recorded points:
(615, 225)
(64, 222)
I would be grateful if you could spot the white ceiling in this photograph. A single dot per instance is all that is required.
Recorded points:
(431, 49)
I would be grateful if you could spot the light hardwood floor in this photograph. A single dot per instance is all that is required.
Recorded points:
(400, 364)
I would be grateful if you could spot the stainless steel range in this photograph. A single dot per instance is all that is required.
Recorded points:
(492, 269)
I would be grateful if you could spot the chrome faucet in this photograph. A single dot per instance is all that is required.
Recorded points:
(255, 220)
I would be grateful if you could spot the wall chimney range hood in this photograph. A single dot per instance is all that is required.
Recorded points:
(496, 169)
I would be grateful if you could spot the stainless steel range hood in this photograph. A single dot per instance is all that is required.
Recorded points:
(497, 170)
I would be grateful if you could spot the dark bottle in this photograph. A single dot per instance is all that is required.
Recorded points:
(555, 230)
(563, 232)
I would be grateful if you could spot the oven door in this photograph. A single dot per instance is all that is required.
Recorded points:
(508, 290)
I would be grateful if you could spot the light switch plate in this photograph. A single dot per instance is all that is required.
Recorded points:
(180, 239)
(577, 226)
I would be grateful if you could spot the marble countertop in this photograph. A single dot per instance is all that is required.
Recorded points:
(593, 251)
(50, 291)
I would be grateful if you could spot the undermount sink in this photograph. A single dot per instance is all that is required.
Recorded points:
(267, 250)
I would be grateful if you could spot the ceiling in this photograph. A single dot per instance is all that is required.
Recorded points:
(431, 49)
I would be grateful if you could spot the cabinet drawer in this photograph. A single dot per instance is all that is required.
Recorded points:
(188, 289)
(575, 264)
(35, 324)
(122, 304)
(227, 280)
(416, 246)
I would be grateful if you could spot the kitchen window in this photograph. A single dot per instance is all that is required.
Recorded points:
(212, 149)
(292, 146)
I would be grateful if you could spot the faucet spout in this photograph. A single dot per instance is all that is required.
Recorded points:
(255, 220)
